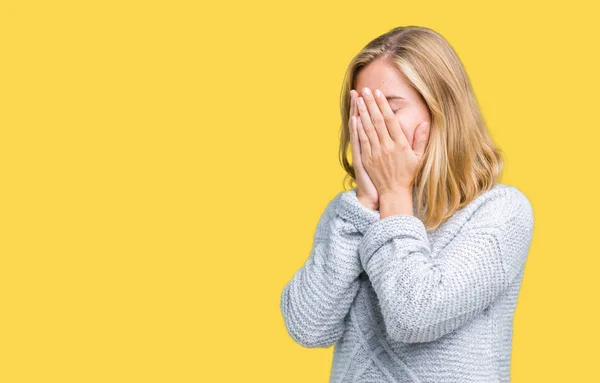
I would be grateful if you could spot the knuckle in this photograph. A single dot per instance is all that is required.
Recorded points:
(403, 146)
(378, 120)
(389, 147)
(388, 118)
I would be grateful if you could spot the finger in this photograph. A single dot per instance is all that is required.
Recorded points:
(421, 139)
(365, 143)
(377, 117)
(393, 125)
(352, 102)
(352, 129)
(355, 144)
(367, 125)
(355, 93)
(353, 113)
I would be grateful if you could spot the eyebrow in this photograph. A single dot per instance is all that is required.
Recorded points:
(393, 97)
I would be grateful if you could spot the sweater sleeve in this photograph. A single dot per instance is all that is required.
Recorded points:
(315, 302)
(423, 298)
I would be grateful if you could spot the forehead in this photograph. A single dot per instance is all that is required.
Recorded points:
(382, 75)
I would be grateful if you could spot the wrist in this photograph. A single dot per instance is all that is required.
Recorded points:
(367, 203)
(352, 210)
(398, 201)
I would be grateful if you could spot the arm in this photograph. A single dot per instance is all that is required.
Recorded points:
(315, 302)
(423, 298)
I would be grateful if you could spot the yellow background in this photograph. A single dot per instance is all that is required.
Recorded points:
(164, 165)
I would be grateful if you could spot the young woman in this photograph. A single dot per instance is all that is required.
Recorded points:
(414, 274)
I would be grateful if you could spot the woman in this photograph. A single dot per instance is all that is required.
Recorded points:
(414, 274)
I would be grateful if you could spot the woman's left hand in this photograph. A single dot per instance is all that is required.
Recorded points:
(387, 155)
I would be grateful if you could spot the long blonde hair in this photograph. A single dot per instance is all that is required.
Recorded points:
(461, 160)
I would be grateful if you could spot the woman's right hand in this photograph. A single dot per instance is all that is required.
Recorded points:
(366, 192)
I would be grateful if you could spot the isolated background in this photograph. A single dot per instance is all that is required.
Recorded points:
(164, 164)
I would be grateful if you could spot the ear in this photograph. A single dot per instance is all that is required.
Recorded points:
(420, 139)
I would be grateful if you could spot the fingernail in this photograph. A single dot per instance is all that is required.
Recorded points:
(377, 93)
(361, 101)
(366, 91)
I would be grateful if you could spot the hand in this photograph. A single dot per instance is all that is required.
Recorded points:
(387, 156)
(366, 191)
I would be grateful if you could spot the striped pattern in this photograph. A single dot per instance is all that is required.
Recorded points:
(402, 304)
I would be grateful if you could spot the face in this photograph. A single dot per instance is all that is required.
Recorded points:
(410, 110)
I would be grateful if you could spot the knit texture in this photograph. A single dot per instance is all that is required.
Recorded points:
(403, 304)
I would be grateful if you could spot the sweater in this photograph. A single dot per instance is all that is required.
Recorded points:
(404, 304)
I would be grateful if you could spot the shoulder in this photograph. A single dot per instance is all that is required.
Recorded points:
(503, 195)
(502, 204)
(508, 212)
(328, 212)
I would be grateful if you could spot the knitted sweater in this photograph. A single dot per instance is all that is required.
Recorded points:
(403, 304)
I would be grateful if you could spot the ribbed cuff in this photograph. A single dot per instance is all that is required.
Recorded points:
(353, 211)
(400, 226)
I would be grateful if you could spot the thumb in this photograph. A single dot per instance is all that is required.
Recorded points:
(421, 139)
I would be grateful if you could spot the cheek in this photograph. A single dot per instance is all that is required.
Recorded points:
(409, 122)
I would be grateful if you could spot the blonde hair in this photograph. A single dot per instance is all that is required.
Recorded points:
(461, 160)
